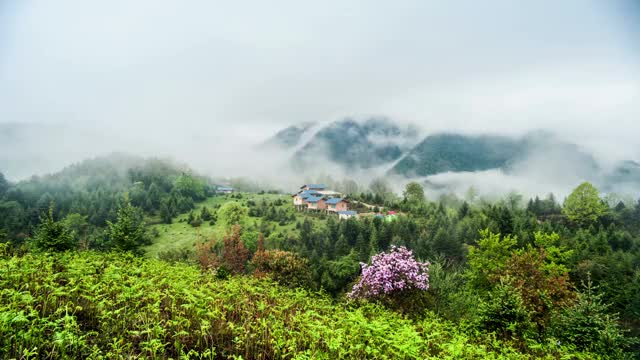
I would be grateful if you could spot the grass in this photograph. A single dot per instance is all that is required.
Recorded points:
(180, 235)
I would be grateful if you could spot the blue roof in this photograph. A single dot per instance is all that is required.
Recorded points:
(313, 199)
(334, 201)
(308, 193)
(350, 212)
(316, 186)
(222, 188)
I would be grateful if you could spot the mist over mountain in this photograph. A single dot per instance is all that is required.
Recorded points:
(360, 144)
(450, 161)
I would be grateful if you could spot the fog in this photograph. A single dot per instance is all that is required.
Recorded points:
(206, 81)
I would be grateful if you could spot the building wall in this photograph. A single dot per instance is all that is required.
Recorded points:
(341, 206)
(320, 205)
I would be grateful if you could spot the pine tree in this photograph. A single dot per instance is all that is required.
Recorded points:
(53, 235)
(128, 232)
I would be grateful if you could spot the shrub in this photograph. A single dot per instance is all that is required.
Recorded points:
(285, 267)
(504, 313)
(53, 235)
(391, 277)
(589, 326)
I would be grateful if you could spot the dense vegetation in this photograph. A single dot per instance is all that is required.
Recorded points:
(247, 275)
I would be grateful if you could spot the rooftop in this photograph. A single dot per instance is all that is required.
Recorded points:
(334, 201)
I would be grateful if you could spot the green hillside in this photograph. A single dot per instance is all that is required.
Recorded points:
(105, 305)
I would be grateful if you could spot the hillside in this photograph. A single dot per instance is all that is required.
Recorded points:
(94, 305)
(453, 152)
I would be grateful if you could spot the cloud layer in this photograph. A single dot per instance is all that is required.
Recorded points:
(204, 80)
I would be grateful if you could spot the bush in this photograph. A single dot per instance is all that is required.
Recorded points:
(51, 235)
(394, 278)
(285, 267)
(504, 313)
(589, 326)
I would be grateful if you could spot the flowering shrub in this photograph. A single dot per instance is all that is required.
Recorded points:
(391, 273)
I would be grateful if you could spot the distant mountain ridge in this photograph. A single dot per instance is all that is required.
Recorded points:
(349, 142)
(382, 144)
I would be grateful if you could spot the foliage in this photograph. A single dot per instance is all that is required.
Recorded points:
(287, 268)
(128, 233)
(414, 193)
(488, 259)
(113, 305)
(504, 312)
(590, 327)
(232, 213)
(235, 253)
(390, 274)
(53, 235)
(584, 206)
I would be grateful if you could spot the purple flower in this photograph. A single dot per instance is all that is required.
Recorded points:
(391, 273)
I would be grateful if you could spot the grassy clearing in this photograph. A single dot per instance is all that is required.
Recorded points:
(180, 235)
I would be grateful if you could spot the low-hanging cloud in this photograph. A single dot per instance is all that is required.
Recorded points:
(205, 81)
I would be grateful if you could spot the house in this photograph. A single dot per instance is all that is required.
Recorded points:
(337, 204)
(300, 197)
(344, 215)
(316, 187)
(224, 190)
(316, 203)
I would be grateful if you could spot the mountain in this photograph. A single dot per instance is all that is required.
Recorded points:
(454, 152)
(352, 143)
(624, 177)
(288, 137)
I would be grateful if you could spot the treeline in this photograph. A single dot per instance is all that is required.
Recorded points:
(89, 194)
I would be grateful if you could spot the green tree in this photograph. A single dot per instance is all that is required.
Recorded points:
(380, 188)
(190, 186)
(584, 206)
(53, 235)
(414, 193)
(489, 259)
(590, 326)
(78, 225)
(4, 184)
(128, 232)
(232, 213)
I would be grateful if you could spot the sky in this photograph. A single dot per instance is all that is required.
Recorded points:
(158, 76)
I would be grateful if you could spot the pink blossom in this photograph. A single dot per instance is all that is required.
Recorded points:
(390, 273)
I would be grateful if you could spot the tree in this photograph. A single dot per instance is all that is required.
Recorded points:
(53, 235)
(380, 187)
(589, 325)
(4, 184)
(235, 254)
(583, 206)
(128, 232)
(414, 193)
(232, 213)
(79, 226)
(190, 186)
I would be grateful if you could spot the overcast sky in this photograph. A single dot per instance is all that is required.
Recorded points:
(231, 70)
